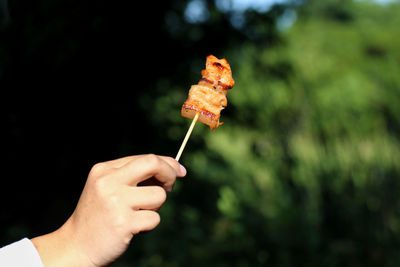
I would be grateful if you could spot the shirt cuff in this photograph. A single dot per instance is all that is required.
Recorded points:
(20, 254)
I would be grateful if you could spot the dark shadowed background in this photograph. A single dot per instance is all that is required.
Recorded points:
(304, 172)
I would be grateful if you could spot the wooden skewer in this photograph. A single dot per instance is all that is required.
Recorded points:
(178, 156)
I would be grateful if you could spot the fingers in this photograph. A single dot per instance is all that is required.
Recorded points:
(145, 197)
(144, 220)
(138, 169)
(118, 163)
(141, 170)
(176, 165)
(125, 176)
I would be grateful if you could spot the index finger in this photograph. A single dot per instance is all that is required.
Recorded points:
(141, 168)
(176, 165)
(118, 163)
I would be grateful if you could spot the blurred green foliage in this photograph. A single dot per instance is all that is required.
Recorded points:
(305, 171)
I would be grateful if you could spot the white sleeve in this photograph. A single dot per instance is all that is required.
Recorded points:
(20, 254)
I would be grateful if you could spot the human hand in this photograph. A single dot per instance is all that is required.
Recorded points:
(112, 209)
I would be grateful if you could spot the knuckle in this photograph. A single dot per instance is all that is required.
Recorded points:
(119, 220)
(160, 194)
(119, 223)
(154, 218)
(100, 186)
(98, 169)
(149, 221)
(152, 160)
(106, 191)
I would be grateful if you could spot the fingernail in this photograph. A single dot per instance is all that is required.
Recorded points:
(182, 170)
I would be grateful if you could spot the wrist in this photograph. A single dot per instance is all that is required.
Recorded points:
(59, 249)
